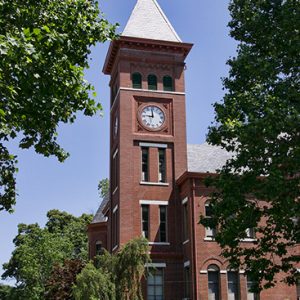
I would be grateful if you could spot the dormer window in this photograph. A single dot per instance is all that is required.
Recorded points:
(152, 82)
(136, 80)
(168, 83)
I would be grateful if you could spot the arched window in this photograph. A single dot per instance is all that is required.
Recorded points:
(209, 232)
(213, 282)
(136, 80)
(168, 83)
(152, 82)
(98, 248)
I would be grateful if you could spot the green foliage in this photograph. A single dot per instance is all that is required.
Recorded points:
(8, 292)
(259, 121)
(44, 48)
(115, 276)
(38, 249)
(94, 284)
(59, 285)
(103, 187)
(130, 268)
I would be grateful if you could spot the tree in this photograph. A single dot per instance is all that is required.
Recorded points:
(103, 187)
(94, 284)
(130, 268)
(115, 276)
(259, 122)
(44, 48)
(62, 278)
(38, 249)
(8, 292)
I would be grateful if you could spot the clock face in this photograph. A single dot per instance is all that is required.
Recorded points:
(152, 117)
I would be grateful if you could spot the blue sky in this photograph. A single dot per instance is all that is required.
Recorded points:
(44, 183)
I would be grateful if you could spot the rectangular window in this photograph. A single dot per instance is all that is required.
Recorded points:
(250, 285)
(115, 228)
(187, 282)
(115, 171)
(99, 249)
(162, 165)
(145, 221)
(213, 285)
(163, 223)
(145, 164)
(233, 285)
(250, 233)
(209, 232)
(185, 222)
(155, 285)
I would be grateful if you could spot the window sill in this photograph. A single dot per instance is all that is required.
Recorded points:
(185, 242)
(248, 240)
(209, 239)
(151, 91)
(158, 243)
(154, 183)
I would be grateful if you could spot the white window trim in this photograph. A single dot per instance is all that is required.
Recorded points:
(185, 242)
(115, 208)
(223, 272)
(248, 240)
(186, 264)
(154, 183)
(185, 200)
(156, 265)
(209, 239)
(242, 271)
(154, 202)
(153, 145)
(159, 243)
(203, 272)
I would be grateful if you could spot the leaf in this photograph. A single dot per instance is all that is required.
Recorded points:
(26, 32)
(46, 28)
(37, 31)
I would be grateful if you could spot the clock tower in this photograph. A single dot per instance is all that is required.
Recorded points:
(148, 141)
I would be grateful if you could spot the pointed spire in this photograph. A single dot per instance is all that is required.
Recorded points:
(148, 21)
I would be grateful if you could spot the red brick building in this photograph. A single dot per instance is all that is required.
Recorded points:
(156, 180)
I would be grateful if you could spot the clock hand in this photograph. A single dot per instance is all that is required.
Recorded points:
(152, 113)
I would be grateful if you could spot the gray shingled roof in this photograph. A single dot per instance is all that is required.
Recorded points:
(205, 158)
(148, 21)
(99, 217)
